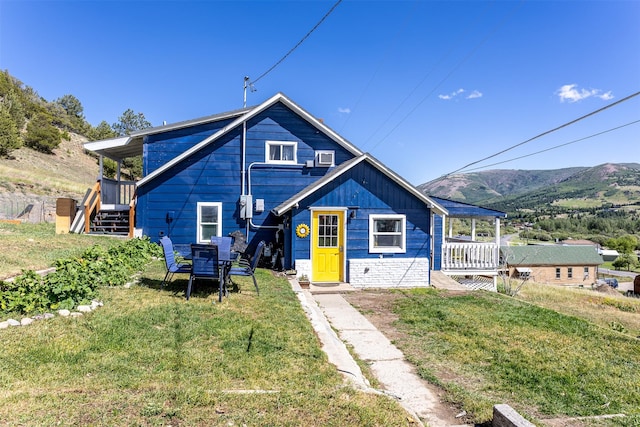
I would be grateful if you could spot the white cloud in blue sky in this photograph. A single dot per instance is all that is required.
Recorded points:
(342, 110)
(572, 93)
(474, 94)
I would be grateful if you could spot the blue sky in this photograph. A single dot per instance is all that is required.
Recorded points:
(427, 87)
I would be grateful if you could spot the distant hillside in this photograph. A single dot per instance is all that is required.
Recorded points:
(511, 190)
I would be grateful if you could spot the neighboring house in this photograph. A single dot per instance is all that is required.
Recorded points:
(275, 173)
(552, 264)
(609, 254)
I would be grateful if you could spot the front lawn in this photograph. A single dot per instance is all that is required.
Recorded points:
(148, 357)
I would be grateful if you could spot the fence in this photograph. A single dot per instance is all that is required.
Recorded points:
(33, 211)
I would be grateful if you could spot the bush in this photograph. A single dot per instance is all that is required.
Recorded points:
(9, 133)
(42, 135)
(76, 280)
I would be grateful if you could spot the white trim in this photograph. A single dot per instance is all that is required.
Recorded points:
(388, 249)
(279, 97)
(199, 238)
(272, 143)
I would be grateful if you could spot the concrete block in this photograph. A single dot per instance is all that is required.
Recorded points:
(506, 416)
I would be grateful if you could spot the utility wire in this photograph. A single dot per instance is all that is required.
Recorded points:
(543, 134)
(555, 146)
(446, 77)
(298, 44)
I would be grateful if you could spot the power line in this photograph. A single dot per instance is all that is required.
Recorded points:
(298, 44)
(555, 146)
(544, 134)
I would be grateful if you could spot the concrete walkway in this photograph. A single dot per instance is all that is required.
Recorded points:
(328, 311)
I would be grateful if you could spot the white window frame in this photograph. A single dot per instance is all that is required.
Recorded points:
(585, 272)
(388, 249)
(199, 223)
(267, 150)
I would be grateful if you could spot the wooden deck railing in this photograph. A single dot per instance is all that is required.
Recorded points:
(469, 256)
(132, 215)
(91, 205)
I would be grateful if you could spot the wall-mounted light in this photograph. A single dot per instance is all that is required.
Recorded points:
(352, 211)
(352, 214)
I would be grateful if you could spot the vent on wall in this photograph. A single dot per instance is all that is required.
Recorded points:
(325, 158)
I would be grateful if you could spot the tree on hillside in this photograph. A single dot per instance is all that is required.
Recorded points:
(623, 244)
(9, 133)
(130, 122)
(102, 131)
(42, 135)
(71, 105)
(627, 261)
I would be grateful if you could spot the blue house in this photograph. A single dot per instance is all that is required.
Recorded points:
(275, 173)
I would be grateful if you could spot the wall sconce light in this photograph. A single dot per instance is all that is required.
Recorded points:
(352, 211)
(352, 214)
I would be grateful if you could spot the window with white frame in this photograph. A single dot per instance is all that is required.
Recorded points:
(569, 272)
(387, 234)
(209, 221)
(558, 274)
(281, 152)
(585, 273)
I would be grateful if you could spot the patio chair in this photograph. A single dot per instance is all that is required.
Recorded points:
(170, 261)
(205, 266)
(247, 268)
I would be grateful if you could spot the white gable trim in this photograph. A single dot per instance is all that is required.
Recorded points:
(279, 97)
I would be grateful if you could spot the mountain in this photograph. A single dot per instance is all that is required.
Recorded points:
(606, 185)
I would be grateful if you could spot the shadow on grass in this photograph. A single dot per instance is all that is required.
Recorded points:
(201, 288)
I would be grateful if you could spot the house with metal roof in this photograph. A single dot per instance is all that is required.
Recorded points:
(277, 174)
(552, 264)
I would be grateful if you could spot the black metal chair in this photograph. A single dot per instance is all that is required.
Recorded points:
(170, 261)
(205, 265)
(247, 268)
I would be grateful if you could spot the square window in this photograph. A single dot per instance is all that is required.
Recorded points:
(209, 221)
(284, 152)
(387, 234)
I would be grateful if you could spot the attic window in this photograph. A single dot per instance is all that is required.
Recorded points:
(283, 152)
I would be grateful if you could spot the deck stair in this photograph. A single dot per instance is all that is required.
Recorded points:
(113, 222)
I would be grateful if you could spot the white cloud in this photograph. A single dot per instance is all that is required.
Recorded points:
(344, 110)
(452, 94)
(475, 94)
(572, 93)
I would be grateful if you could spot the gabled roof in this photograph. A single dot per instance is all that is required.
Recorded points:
(550, 255)
(466, 210)
(343, 168)
(131, 145)
(249, 114)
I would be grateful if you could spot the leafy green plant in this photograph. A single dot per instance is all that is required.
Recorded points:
(76, 280)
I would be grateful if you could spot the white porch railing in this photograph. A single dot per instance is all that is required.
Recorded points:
(469, 257)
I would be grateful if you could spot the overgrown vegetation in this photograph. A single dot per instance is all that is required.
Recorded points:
(75, 280)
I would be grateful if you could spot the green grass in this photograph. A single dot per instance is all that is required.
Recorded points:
(487, 348)
(149, 357)
(37, 246)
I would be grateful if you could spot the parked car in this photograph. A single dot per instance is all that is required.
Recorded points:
(613, 282)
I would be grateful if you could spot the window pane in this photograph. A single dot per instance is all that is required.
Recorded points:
(387, 241)
(274, 152)
(209, 231)
(209, 214)
(387, 225)
(287, 152)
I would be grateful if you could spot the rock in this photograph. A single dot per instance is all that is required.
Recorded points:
(95, 304)
(13, 322)
(76, 314)
(64, 312)
(26, 321)
(84, 308)
(4, 325)
(48, 316)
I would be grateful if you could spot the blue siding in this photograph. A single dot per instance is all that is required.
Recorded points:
(214, 175)
(438, 240)
(373, 193)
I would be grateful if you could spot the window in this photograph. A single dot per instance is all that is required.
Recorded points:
(558, 275)
(586, 273)
(328, 231)
(387, 234)
(209, 221)
(281, 152)
(570, 272)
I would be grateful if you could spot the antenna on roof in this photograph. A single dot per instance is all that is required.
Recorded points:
(247, 84)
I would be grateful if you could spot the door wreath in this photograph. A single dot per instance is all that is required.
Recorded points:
(302, 231)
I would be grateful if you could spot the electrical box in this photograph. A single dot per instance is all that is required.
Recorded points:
(246, 206)
(259, 205)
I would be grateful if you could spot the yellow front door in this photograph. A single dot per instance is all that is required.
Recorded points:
(328, 246)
